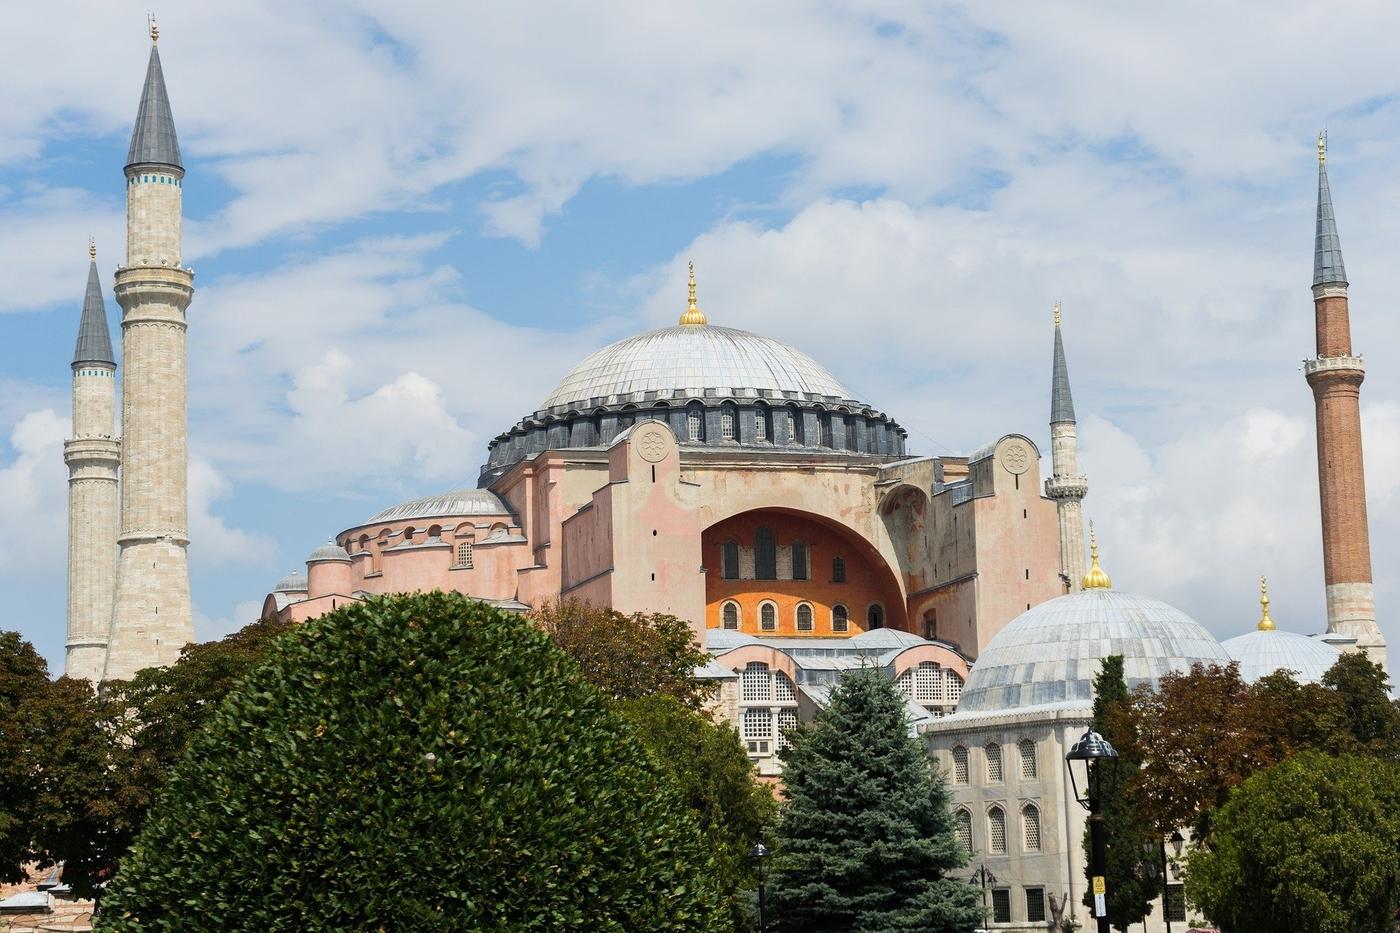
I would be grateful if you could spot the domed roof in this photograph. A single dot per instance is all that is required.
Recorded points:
(329, 551)
(294, 582)
(694, 357)
(1050, 654)
(455, 502)
(1262, 652)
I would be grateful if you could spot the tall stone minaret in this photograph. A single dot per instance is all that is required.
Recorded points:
(1335, 376)
(152, 619)
(1066, 485)
(93, 455)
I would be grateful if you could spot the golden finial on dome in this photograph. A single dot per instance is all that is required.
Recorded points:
(1095, 579)
(155, 30)
(1266, 624)
(1057, 312)
(1322, 148)
(92, 249)
(693, 314)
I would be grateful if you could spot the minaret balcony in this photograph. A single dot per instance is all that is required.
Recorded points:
(1329, 364)
(1067, 487)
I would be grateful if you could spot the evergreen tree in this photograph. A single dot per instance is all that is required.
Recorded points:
(1131, 874)
(866, 839)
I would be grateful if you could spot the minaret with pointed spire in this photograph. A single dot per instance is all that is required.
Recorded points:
(93, 456)
(1335, 376)
(1066, 485)
(152, 617)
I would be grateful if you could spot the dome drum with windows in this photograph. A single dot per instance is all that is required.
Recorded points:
(715, 387)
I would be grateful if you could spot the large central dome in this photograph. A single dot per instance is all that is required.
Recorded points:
(690, 359)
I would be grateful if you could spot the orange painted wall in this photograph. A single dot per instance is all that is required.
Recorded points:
(866, 581)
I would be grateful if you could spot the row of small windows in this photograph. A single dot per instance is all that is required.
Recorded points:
(790, 422)
(730, 616)
(992, 753)
(996, 828)
(1035, 905)
(96, 372)
(765, 559)
(155, 180)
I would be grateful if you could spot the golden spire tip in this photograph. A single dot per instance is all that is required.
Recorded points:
(1057, 312)
(693, 314)
(155, 30)
(1095, 579)
(92, 249)
(1322, 148)
(1266, 624)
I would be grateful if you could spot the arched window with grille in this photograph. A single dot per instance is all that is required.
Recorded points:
(996, 829)
(464, 554)
(840, 618)
(828, 420)
(952, 685)
(756, 685)
(695, 422)
(838, 570)
(731, 560)
(797, 431)
(726, 421)
(730, 613)
(804, 617)
(799, 560)
(762, 428)
(963, 821)
(960, 770)
(1028, 764)
(768, 617)
(765, 556)
(993, 753)
(1030, 827)
(875, 616)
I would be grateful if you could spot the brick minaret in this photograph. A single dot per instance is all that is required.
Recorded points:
(1065, 485)
(93, 455)
(1335, 376)
(152, 617)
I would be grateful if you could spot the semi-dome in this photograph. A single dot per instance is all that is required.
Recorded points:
(455, 502)
(1050, 654)
(294, 582)
(1267, 650)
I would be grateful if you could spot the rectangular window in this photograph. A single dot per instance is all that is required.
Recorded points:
(1001, 905)
(838, 570)
(760, 426)
(464, 554)
(1035, 905)
(758, 724)
(799, 560)
(1176, 903)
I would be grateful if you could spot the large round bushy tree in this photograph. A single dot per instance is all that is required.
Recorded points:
(416, 763)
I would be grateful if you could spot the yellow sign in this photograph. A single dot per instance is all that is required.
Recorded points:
(1099, 886)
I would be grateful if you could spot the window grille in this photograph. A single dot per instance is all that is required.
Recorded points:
(960, 765)
(1035, 905)
(1001, 905)
(964, 829)
(757, 684)
(996, 825)
(904, 683)
(840, 618)
(731, 615)
(760, 423)
(758, 724)
(731, 559)
(799, 560)
(765, 558)
(464, 554)
(1176, 903)
(783, 691)
(797, 432)
(928, 682)
(1030, 824)
(838, 570)
(952, 685)
(726, 422)
(768, 617)
(787, 719)
(804, 618)
(1028, 767)
(694, 424)
(993, 752)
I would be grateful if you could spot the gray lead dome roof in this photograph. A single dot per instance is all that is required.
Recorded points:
(456, 502)
(1050, 654)
(694, 357)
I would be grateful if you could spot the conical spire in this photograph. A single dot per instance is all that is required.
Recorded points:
(94, 340)
(1328, 268)
(153, 140)
(1061, 402)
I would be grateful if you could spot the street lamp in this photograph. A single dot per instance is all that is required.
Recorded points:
(984, 877)
(1094, 753)
(1177, 840)
(759, 853)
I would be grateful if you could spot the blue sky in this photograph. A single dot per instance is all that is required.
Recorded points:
(409, 221)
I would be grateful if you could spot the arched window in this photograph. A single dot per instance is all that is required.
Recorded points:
(695, 423)
(626, 417)
(804, 617)
(768, 617)
(851, 433)
(838, 570)
(435, 531)
(464, 554)
(408, 535)
(996, 829)
(726, 421)
(797, 431)
(799, 560)
(1028, 765)
(960, 774)
(875, 616)
(1030, 827)
(765, 556)
(993, 753)
(952, 685)
(963, 821)
(731, 559)
(756, 683)
(731, 615)
(783, 690)
(840, 618)
(762, 430)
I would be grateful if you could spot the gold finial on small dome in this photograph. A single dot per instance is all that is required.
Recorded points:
(693, 314)
(1095, 579)
(1322, 148)
(92, 249)
(1057, 312)
(1266, 624)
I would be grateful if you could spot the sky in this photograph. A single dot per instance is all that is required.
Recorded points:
(408, 220)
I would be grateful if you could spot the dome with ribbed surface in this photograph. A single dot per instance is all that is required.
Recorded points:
(329, 551)
(294, 582)
(1261, 653)
(455, 502)
(1050, 654)
(694, 358)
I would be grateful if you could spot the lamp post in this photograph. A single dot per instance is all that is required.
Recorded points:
(1177, 840)
(983, 877)
(1095, 752)
(759, 853)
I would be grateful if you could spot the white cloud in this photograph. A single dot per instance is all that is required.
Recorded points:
(34, 502)
(214, 541)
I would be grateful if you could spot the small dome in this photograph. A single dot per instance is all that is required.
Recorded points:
(1264, 651)
(1050, 653)
(294, 582)
(455, 502)
(329, 551)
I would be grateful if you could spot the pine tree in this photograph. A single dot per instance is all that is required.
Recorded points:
(1132, 874)
(866, 839)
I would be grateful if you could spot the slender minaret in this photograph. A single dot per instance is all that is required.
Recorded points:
(1066, 485)
(93, 455)
(1335, 376)
(151, 620)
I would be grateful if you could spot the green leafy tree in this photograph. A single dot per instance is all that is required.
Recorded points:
(866, 839)
(1312, 843)
(1130, 870)
(716, 779)
(628, 656)
(423, 762)
(1370, 717)
(24, 681)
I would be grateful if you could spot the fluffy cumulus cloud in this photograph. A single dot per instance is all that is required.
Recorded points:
(217, 542)
(33, 500)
